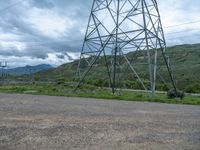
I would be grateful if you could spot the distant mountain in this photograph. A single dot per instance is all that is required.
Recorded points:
(27, 69)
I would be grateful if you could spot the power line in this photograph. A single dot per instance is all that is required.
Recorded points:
(17, 3)
(187, 23)
(10, 6)
(182, 37)
(38, 44)
(180, 32)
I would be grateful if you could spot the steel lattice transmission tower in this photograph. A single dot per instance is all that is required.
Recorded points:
(118, 27)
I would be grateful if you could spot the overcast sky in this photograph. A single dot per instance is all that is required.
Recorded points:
(51, 31)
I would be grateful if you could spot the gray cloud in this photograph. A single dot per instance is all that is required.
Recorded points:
(39, 29)
(41, 4)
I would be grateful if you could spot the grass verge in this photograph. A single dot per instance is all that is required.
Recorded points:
(92, 92)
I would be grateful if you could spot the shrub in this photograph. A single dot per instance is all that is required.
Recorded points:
(37, 77)
(60, 81)
(193, 88)
(132, 84)
(162, 87)
(172, 94)
(97, 82)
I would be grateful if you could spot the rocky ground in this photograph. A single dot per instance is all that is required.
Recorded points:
(30, 122)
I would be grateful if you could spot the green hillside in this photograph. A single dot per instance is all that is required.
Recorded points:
(185, 60)
(186, 66)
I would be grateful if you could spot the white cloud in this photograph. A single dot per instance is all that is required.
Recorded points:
(14, 61)
(177, 12)
(74, 55)
(8, 37)
(49, 23)
(14, 44)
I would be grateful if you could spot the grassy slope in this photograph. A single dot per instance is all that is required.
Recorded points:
(185, 60)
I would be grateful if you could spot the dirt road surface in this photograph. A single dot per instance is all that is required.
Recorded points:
(30, 122)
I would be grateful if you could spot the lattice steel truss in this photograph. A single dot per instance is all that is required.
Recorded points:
(118, 27)
(3, 65)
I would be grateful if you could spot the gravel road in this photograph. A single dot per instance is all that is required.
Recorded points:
(30, 122)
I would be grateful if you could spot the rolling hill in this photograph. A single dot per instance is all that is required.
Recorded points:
(185, 60)
(27, 69)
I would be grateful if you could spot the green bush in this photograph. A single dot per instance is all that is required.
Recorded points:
(97, 82)
(193, 88)
(162, 87)
(60, 81)
(37, 77)
(172, 94)
(132, 84)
